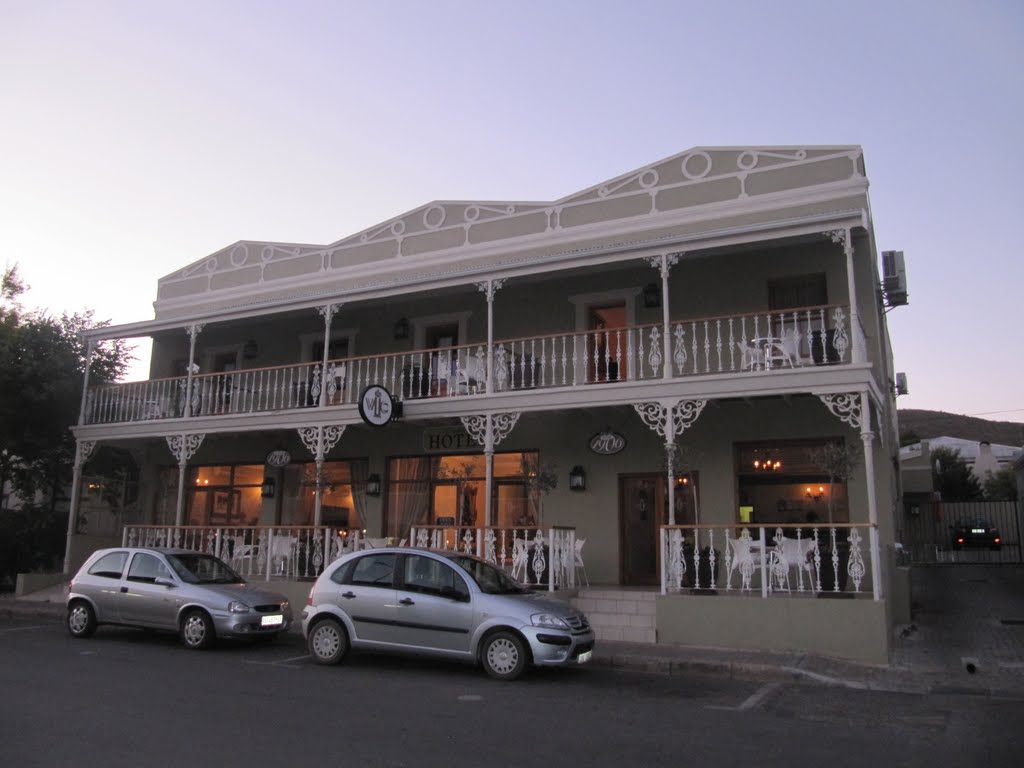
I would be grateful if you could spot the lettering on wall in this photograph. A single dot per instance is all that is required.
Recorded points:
(607, 443)
(441, 440)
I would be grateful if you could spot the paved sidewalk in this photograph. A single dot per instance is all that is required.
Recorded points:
(967, 637)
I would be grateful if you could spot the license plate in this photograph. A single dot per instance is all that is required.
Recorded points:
(977, 530)
(275, 620)
(584, 657)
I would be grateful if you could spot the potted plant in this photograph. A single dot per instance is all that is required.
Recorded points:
(838, 461)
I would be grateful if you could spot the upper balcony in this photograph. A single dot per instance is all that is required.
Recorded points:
(751, 344)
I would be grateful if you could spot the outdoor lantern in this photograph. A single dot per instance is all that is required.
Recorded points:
(267, 489)
(373, 485)
(577, 479)
(401, 329)
(652, 295)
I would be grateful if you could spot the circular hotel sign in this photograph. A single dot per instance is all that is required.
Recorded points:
(607, 443)
(279, 458)
(376, 406)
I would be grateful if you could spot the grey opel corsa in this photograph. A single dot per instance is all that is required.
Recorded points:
(444, 604)
(191, 593)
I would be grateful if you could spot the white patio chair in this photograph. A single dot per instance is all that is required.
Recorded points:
(578, 562)
(791, 553)
(743, 559)
(520, 556)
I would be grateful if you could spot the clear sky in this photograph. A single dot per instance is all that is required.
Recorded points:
(137, 137)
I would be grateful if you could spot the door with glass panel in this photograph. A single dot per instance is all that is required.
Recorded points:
(642, 510)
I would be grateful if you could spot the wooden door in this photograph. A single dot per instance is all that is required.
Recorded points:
(641, 513)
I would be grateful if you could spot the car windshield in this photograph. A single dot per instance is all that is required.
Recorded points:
(491, 580)
(203, 569)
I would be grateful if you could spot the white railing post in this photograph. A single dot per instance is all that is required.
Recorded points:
(764, 562)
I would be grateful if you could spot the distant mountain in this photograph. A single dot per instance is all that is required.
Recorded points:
(926, 424)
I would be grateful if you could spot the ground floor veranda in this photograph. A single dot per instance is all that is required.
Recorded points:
(738, 509)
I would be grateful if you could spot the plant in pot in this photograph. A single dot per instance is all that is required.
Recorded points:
(838, 461)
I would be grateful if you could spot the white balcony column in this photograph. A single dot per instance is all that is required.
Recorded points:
(182, 447)
(82, 450)
(488, 430)
(670, 420)
(327, 312)
(663, 264)
(670, 460)
(868, 438)
(489, 288)
(319, 441)
(193, 331)
(844, 237)
(90, 349)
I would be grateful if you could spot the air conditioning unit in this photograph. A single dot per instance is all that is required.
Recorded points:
(894, 278)
(901, 384)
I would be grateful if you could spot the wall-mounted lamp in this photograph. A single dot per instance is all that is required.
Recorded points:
(250, 350)
(652, 295)
(810, 493)
(267, 489)
(401, 329)
(577, 479)
(373, 485)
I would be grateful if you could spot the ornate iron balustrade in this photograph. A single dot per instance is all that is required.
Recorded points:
(278, 552)
(770, 560)
(761, 342)
(533, 556)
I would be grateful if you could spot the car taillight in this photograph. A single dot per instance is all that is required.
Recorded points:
(996, 539)
(960, 540)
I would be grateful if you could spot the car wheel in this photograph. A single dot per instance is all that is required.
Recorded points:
(197, 630)
(327, 642)
(504, 656)
(81, 619)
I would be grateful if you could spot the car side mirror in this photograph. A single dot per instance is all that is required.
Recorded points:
(164, 582)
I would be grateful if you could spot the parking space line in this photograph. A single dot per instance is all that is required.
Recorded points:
(751, 701)
(22, 629)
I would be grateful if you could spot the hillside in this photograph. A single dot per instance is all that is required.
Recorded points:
(925, 424)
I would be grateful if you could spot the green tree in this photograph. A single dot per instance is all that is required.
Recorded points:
(42, 370)
(951, 476)
(1001, 485)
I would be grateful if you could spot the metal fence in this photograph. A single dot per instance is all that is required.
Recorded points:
(929, 531)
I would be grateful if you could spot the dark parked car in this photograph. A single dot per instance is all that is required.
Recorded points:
(191, 593)
(975, 533)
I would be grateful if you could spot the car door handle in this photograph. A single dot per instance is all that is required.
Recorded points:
(407, 601)
(348, 595)
(124, 589)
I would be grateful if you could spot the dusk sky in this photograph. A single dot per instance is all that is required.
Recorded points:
(138, 137)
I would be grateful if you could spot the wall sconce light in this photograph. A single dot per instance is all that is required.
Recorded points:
(810, 493)
(267, 489)
(373, 485)
(577, 479)
(401, 329)
(652, 295)
(250, 350)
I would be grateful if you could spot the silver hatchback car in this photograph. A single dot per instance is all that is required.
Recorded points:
(440, 603)
(194, 594)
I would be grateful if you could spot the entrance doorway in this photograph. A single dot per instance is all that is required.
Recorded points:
(604, 353)
(642, 509)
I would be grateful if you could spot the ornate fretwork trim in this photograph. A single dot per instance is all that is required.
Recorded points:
(83, 449)
(320, 440)
(183, 447)
(663, 263)
(501, 425)
(328, 311)
(837, 236)
(194, 330)
(844, 406)
(490, 287)
(684, 414)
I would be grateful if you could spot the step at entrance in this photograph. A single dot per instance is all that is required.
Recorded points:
(619, 613)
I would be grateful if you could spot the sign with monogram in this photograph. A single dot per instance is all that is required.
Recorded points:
(279, 458)
(376, 405)
(607, 443)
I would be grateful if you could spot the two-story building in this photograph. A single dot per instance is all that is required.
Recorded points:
(676, 384)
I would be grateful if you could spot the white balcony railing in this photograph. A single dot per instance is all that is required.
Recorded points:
(761, 342)
(256, 552)
(533, 556)
(768, 560)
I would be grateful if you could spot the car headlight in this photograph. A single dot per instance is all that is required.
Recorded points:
(548, 620)
(237, 607)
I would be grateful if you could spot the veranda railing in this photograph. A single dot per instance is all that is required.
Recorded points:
(770, 560)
